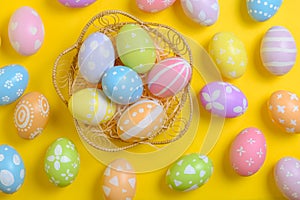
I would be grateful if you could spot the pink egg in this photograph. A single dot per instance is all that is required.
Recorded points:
(76, 3)
(248, 151)
(26, 31)
(154, 5)
(169, 76)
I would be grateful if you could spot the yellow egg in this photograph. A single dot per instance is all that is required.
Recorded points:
(229, 54)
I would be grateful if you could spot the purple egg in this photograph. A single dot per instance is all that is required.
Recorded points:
(76, 3)
(223, 99)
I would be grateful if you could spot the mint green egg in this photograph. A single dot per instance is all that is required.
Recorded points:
(189, 172)
(135, 48)
(62, 162)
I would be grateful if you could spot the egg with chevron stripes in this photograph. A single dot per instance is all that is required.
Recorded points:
(119, 181)
(278, 50)
(189, 172)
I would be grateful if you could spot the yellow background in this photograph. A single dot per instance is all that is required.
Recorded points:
(63, 25)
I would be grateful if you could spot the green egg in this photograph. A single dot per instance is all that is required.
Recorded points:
(189, 172)
(135, 48)
(62, 162)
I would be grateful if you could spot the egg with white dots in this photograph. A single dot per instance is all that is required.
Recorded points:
(263, 10)
(122, 85)
(12, 170)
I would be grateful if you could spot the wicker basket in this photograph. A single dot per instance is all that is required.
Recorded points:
(169, 43)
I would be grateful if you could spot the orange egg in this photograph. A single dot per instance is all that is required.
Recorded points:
(31, 115)
(119, 181)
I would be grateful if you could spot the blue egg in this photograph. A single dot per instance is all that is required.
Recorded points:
(122, 85)
(12, 170)
(262, 10)
(13, 82)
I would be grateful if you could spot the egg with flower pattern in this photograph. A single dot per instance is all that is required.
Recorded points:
(76, 3)
(154, 6)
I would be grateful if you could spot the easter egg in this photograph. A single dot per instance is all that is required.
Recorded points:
(122, 85)
(278, 50)
(287, 177)
(26, 31)
(248, 151)
(189, 172)
(62, 162)
(169, 76)
(31, 115)
(76, 3)
(204, 12)
(229, 54)
(119, 181)
(91, 106)
(154, 6)
(262, 10)
(141, 121)
(283, 108)
(12, 170)
(13, 83)
(95, 56)
(223, 99)
(135, 48)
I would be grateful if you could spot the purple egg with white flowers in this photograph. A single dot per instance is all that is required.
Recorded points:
(76, 3)
(278, 50)
(223, 99)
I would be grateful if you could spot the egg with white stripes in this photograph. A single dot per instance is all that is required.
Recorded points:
(141, 121)
(278, 50)
(169, 76)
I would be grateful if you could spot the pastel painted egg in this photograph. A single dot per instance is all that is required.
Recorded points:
(76, 3)
(189, 172)
(141, 121)
(119, 181)
(95, 56)
(12, 170)
(13, 83)
(278, 50)
(223, 99)
(154, 6)
(229, 54)
(31, 115)
(122, 85)
(204, 12)
(248, 151)
(283, 109)
(26, 31)
(135, 48)
(62, 162)
(91, 106)
(263, 10)
(169, 76)
(287, 177)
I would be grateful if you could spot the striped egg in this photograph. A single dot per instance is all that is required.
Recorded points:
(169, 76)
(141, 121)
(278, 50)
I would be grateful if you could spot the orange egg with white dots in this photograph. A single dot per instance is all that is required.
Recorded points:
(31, 115)
(284, 110)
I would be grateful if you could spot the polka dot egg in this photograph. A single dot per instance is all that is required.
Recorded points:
(122, 85)
(262, 10)
(12, 170)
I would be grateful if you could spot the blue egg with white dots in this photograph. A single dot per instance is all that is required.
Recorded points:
(12, 170)
(262, 10)
(13, 82)
(122, 85)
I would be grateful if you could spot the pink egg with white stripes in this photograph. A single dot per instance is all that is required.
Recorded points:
(26, 31)
(248, 151)
(278, 50)
(154, 6)
(169, 76)
(204, 12)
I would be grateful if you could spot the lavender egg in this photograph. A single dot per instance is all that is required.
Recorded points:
(76, 3)
(278, 50)
(223, 99)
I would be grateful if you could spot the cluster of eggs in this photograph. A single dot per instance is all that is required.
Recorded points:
(124, 84)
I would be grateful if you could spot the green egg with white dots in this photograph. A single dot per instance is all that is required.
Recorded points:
(62, 162)
(189, 172)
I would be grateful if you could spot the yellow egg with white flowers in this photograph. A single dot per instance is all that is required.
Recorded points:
(91, 106)
(229, 54)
